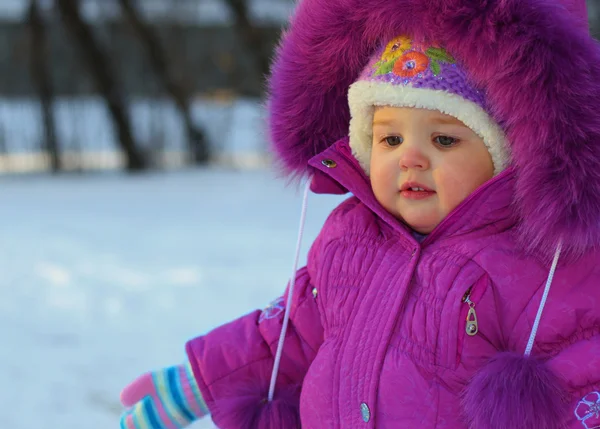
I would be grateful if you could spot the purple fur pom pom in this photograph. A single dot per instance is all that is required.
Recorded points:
(515, 392)
(251, 410)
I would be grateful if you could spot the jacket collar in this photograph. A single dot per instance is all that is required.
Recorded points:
(486, 211)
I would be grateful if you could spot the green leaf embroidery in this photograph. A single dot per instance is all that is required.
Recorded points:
(440, 55)
(435, 67)
(385, 68)
(378, 64)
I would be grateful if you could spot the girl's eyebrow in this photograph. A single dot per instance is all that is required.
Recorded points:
(436, 120)
(383, 122)
(448, 121)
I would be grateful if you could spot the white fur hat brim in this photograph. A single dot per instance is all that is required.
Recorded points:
(365, 96)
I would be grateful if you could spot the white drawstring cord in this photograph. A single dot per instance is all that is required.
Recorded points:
(290, 295)
(543, 303)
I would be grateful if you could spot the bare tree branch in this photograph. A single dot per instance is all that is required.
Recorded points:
(98, 62)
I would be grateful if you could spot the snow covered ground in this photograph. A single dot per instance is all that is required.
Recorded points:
(105, 276)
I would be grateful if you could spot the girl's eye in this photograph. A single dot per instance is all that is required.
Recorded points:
(393, 140)
(445, 141)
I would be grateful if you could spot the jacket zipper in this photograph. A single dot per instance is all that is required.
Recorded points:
(471, 326)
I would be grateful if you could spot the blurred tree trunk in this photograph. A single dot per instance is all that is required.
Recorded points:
(594, 13)
(42, 81)
(250, 35)
(98, 62)
(198, 146)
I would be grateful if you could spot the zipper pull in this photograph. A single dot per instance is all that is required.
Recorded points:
(471, 327)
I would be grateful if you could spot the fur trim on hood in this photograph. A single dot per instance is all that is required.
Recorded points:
(535, 60)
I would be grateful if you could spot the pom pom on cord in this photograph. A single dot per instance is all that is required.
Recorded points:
(515, 392)
(252, 410)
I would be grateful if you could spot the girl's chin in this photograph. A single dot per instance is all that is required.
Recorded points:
(419, 226)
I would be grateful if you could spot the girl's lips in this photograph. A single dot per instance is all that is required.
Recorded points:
(416, 195)
(407, 186)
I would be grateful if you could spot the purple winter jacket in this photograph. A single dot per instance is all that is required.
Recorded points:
(378, 323)
(378, 335)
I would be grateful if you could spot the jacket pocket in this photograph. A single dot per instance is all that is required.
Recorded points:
(460, 321)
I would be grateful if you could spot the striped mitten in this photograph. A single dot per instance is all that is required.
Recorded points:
(164, 399)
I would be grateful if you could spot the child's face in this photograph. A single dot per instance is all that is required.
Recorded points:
(425, 149)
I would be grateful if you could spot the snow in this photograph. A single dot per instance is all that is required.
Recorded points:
(105, 276)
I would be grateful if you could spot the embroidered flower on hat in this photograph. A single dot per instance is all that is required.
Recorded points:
(395, 48)
(411, 64)
(406, 59)
(588, 411)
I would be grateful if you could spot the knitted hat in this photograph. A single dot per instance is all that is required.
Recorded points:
(404, 73)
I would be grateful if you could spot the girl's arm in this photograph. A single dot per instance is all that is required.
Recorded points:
(233, 364)
(578, 366)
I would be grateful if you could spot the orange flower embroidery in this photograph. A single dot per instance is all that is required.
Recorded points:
(411, 64)
(398, 58)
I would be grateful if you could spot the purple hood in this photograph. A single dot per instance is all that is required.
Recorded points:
(534, 58)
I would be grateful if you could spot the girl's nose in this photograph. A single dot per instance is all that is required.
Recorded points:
(413, 158)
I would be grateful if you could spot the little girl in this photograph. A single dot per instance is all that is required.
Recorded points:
(459, 286)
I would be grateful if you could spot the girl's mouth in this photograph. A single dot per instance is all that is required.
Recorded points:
(416, 193)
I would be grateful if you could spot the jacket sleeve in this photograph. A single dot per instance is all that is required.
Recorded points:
(578, 365)
(233, 363)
